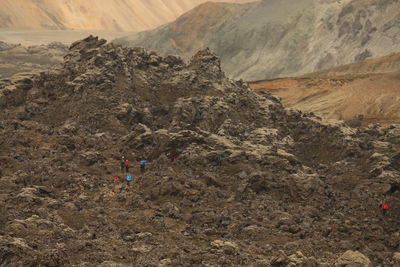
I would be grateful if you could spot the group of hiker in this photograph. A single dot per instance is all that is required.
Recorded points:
(125, 165)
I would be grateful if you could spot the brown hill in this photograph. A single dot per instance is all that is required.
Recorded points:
(390, 63)
(371, 88)
(115, 15)
(191, 29)
(291, 190)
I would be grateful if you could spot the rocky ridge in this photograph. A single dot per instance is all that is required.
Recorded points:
(293, 189)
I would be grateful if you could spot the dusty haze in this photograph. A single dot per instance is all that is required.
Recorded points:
(112, 15)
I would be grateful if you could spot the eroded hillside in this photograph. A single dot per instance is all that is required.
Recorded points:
(274, 38)
(369, 88)
(292, 189)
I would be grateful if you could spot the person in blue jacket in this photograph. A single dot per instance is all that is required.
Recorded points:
(143, 165)
(218, 160)
(128, 179)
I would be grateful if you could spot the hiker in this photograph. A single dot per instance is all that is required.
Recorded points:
(218, 160)
(143, 165)
(127, 165)
(384, 207)
(128, 179)
(122, 163)
(116, 182)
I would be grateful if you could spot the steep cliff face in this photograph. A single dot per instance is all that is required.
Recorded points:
(115, 15)
(283, 38)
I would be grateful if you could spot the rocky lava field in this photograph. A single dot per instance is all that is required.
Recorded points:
(293, 189)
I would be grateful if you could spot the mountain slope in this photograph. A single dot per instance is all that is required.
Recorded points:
(274, 38)
(370, 88)
(188, 33)
(292, 189)
(386, 64)
(115, 15)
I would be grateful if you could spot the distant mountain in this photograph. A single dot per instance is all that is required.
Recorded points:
(370, 88)
(114, 15)
(272, 38)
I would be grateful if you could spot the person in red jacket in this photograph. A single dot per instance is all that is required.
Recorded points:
(127, 165)
(384, 207)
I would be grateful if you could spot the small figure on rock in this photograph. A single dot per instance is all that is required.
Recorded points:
(127, 165)
(384, 207)
(116, 182)
(218, 160)
(143, 165)
(128, 179)
(170, 156)
(122, 163)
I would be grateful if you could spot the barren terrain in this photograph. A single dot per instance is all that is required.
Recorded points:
(274, 38)
(371, 88)
(292, 189)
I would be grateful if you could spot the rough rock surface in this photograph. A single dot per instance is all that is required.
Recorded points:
(292, 189)
(353, 259)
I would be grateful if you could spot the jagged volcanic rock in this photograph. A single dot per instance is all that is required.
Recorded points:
(292, 189)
